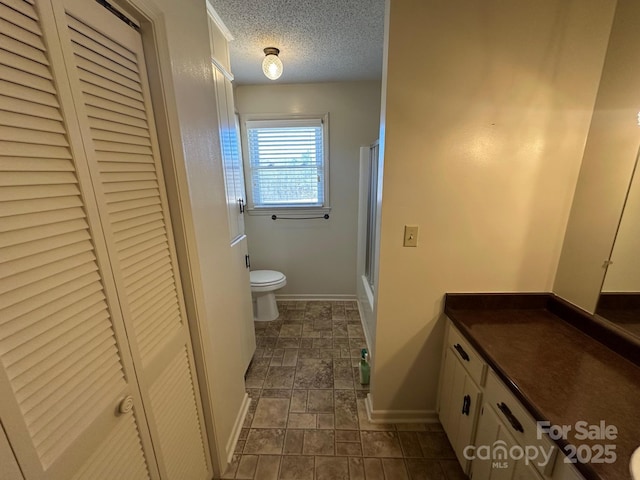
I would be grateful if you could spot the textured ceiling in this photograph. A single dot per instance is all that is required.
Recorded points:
(319, 40)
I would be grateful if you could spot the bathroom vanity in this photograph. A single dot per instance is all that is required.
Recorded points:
(513, 360)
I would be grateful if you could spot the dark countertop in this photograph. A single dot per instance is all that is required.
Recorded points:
(558, 372)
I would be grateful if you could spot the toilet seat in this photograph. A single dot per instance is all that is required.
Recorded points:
(265, 278)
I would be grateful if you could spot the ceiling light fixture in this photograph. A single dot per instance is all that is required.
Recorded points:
(272, 65)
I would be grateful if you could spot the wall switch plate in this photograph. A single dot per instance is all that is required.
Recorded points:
(410, 236)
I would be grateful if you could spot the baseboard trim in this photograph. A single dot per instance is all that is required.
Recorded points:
(286, 297)
(237, 427)
(399, 416)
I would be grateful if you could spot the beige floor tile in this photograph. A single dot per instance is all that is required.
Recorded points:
(356, 468)
(247, 420)
(347, 436)
(279, 377)
(340, 342)
(394, 468)
(342, 373)
(435, 445)
(322, 324)
(302, 420)
(231, 470)
(305, 371)
(276, 393)
(346, 410)
(326, 342)
(421, 469)
(293, 441)
(271, 413)
(332, 468)
(349, 449)
(410, 444)
(363, 419)
(380, 444)
(373, 469)
(265, 441)
(340, 330)
(283, 342)
(320, 401)
(355, 331)
(299, 401)
(291, 330)
(314, 373)
(338, 312)
(318, 442)
(297, 468)
(452, 470)
(268, 467)
(290, 357)
(297, 305)
(247, 467)
(326, 421)
(411, 427)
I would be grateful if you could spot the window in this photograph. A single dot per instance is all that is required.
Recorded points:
(287, 163)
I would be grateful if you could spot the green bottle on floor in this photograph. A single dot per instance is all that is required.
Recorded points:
(365, 369)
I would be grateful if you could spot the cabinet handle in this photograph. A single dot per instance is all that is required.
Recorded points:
(515, 423)
(466, 405)
(460, 350)
(241, 204)
(247, 261)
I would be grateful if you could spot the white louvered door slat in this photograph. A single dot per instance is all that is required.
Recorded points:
(64, 358)
(108, 81)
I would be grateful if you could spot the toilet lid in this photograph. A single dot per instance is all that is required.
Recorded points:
(262, 277)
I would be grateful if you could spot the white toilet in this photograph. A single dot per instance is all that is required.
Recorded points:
(263, 285)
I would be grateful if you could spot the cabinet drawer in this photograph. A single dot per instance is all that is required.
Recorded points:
(520, 423)
(473, 363)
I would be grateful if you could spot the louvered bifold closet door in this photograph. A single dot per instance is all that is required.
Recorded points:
(64, 359)
(110, 89)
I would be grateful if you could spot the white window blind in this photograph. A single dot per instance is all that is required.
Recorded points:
(287, 163)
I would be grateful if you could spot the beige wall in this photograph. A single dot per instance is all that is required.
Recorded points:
(609, 158)
(198, 207)
(487, 110)
(317, 256)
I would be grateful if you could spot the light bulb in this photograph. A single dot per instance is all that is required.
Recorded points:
(272, 65)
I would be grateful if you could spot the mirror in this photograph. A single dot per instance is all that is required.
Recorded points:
(620, 295)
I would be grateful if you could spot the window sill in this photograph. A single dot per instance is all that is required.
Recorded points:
(289, 211)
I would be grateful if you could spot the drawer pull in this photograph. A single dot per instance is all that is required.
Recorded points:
(466, 405)
(515, 423)
(460, 350)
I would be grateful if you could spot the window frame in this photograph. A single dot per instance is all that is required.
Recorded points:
(251, 208)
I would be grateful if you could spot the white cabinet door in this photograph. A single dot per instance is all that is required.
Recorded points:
(64, 359)
(494, 436)
(459, 405)
(226, 131)
(446, 393)
(245, 328)
(470, 408)
(108, 79)
(231, 154)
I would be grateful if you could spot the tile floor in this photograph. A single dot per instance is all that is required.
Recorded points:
(307, 419)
